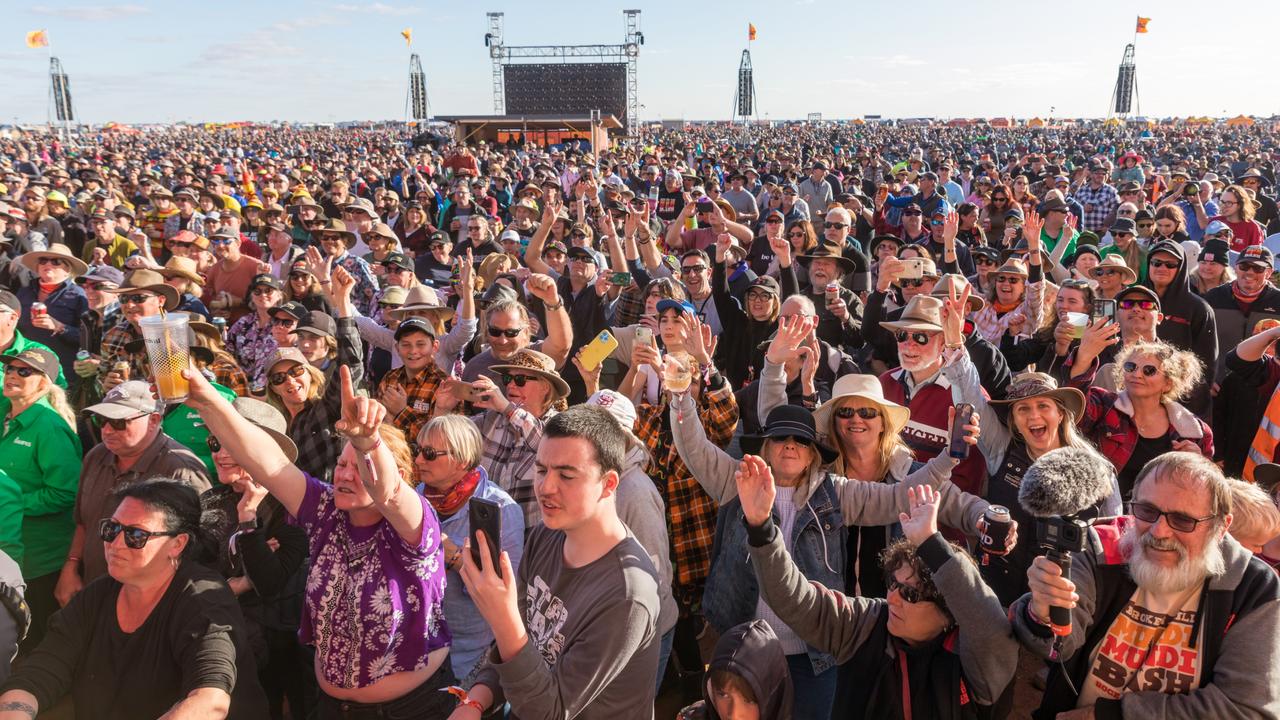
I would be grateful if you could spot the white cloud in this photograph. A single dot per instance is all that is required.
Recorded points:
(90, 13)
(378, 8)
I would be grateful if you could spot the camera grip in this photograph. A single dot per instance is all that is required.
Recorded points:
(1060, 617)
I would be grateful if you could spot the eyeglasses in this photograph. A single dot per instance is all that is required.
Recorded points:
(135, 538)
(799, 234)
(428, 454)
(1252, 268)
(691, 269)
(909, 595)
(773, 221)
(519, 380)
(284, 322)
(911, 282)
(1225, 202)
(296, 371)
(1180, 522)
(578, 235)
(221, 241)
(135, 298)
(998, 198)
(835, 225)
(795, 439)
(1146, 226)
(1147, 305)
(918, 337)
(983, 261)
(213, 444)
(507, 332)
(1167, 264)
(866, 413)
(114, 423)
(1147, 370)
(759, 296)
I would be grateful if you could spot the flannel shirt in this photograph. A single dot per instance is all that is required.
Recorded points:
(510, 448)
(420, 399)
(251, 344)
(630, 306)
(1104, 200)
(691, 513)
(366, 284)
(312, 428)
(173, 224)
(991, 326)
(113, 342)
(228, 374)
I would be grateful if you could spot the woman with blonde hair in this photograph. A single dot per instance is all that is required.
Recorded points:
(1238, 209)
(302, 286)
(1255, 520)
(40, 451)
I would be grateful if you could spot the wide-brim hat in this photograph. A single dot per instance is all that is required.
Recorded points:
(1013, 266)
(181, 267)
(337, 226)
(536, 363)
(150, 281)
(1029, 385)
(421, 299)
(829, 251)
(923, 312)
(1115, 262)
(1253, 174)
(57, 251)
(868, 388)
(787, 421)
(268, 419)
(942, 291)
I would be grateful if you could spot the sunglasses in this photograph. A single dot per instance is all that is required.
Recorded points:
(866, 413)
(1008, 279)
(690, 269)
(909, 595)
(508, 332)
(918, 337)
(835, 225)
(135, 538)
(299, 276)
(221, 241)
(1167, 264)
(1180, 522)
(296, 371)
(773, 221)
(263, 290)
(984, 261)
(114, 423)
(213, 444)
(50, 261)
(911, 282)
(287, 322)
(912, 213)
(519, 380)
(578, 235)
(1147, 305)
(135, 298)
(1252, 268)
(799, 235)
(427, 453)
(796, 439)
(1147, 370)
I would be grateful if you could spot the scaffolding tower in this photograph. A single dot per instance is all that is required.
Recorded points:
(60, 106)
(415, 101)
(744, 98)
(1124, 98)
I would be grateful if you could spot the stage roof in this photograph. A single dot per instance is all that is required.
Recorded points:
(539, 121)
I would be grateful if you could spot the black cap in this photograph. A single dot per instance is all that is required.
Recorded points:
(318, 323)
(579, 251)
(766, 283)
(292, 308)
(1146, 293)
(265, 279)
(39, 358)
(415, 324)
(9, 300)
(437, 237)
(1124, 225)
(399, 260)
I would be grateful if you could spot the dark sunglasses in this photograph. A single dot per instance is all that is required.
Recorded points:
(866, 413)
(135, 538)
(283, 322)
(773, 221)
(833, 226)
(135, 298)
(983, 261)
(213, 444)
(1147, 370)
(1180, 522)
(690, 269)
(114, 423)
(50, 261)
(1168, 265)
(278, 378)
(800, 235)
(911, 282)
(427, 453)
(1008, 279)
(24, 372)
(909, 595)
(519, 380)
(1147, 305)
(1252, 268)
(919, 338)
(912, 213)
(797, 439)
(578, 235)
(263, 290)
(509, 332)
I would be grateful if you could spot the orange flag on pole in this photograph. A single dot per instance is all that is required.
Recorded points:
(38, 39)
(407, 34)
(751, 32)
(1142, 24)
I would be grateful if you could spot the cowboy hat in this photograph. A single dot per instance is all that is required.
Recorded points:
(1253, 174)
(56, 251)
(181, 267)
(1029, 385)
(337, 226)
(421, 299)
(868, 388)
(923, 312)
(949, 281)
(788, 421)
(830, 251)
(150, 281)
(534, 362)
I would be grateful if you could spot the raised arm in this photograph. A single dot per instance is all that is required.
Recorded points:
(559, 330)
(533, 253)
(712, 467)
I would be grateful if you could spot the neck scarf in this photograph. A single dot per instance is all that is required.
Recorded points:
(451, 501)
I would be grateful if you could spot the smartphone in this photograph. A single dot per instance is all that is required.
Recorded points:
(1103, 307)
(594, 352)
(957, 447)
(644, 336)
(621, 279)
(913, 268)
(464, 390)
(486, 517)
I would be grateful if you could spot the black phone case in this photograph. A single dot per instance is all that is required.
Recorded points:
(486, 516)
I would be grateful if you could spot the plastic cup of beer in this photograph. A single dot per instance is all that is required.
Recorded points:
(677, 371)
(168, 344)
(1078, 321)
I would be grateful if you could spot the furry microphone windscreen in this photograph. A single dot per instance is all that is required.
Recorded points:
(1064, 482)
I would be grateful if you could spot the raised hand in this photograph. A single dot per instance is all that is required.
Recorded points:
(1031, 226)
(319, 264)
(361, 415)
(922, 522)
(953, 312)
(466, 273)
(791, 332)
(697, 343)
(342, 283)
(755, 489)
(543, 287)
(950, 227)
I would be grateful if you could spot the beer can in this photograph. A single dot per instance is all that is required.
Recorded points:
(833, 292)
(38, 309)
(999, 523)
(83, 355)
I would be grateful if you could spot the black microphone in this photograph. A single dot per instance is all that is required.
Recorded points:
(1056, 488)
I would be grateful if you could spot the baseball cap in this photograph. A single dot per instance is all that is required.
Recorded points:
(40, 359)
(126, 400)
(415, 324)
(104, 274)
(292, 308)
(317, 323)
(678, 305)
(618, 405)
(1256, 254)
(10, 301)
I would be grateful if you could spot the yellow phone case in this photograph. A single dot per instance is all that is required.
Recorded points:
(597, 350)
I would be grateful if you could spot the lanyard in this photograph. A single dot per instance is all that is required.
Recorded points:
(906, 686)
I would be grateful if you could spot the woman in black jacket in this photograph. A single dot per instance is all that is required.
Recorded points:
(745, 329)
(264, 559)
(1189, 322)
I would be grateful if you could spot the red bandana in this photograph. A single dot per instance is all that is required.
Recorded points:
(452, 500)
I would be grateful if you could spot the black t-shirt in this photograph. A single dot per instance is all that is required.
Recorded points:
(432, 272)
(1144, 451)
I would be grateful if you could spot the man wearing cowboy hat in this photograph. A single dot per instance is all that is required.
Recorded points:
(918, 383)
(143, 294)
(335, 242)
(1266, 211)
(839, 321)
(1112, 275)
(188, 216)
(885, 295)
(58, 324)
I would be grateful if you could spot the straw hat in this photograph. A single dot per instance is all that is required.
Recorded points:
(1115, 262)
(57, 251)
(868, 388)
(421, 298)
(1013, 266)
(181, 267)
(150, 281)
(923, 312)
(536, 363)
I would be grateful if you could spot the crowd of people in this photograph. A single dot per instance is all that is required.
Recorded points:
(798, 421)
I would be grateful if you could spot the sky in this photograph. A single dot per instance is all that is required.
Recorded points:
(321, 61)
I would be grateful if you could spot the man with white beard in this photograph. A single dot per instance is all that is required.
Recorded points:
(1176, 620)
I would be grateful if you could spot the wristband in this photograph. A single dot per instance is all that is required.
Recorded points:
(464, 700)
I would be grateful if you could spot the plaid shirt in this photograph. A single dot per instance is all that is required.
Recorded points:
(420, 398)
(312, 428)
(691, 513)
(228, 374)
(991, 326)
(510, 447)
(630, 307)
(113, 342)
(1103, 201)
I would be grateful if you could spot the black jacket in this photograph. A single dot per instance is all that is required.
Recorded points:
(1234, 324)
(1188, 324)
(751, 651)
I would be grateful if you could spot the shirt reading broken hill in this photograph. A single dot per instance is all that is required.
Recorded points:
(591, 635)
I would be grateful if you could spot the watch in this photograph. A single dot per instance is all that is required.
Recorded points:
(247, 526)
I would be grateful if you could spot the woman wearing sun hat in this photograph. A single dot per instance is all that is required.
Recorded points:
(1041, 417)
(180, 272)
(1113, 274)
(58, 326)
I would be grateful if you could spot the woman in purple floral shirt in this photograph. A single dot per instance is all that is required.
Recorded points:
(249, 338)
(376, 582)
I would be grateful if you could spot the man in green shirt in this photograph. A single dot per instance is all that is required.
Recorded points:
(1054, 211)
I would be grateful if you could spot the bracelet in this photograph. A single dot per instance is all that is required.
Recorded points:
(72, 559)
(377, 443)
(325, 282)
(464, 700)
(555, 307)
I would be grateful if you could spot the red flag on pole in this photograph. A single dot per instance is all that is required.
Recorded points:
(751, 32)
(37, 39)
(1142, 25)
